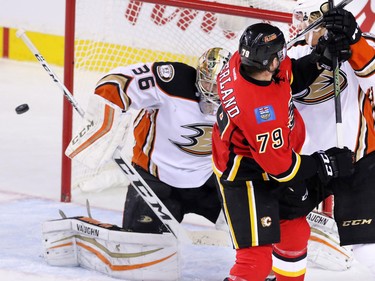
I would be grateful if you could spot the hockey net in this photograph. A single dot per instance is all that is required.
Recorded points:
(115, 33)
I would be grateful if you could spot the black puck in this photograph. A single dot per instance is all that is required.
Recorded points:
(22, 108)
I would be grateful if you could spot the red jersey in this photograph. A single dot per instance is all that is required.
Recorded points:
(258, 130)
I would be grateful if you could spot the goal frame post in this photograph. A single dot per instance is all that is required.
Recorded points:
(67, 126)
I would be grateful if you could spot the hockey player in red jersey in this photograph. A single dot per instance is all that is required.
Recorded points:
(172, 131)
(354, 209)
(256, 144)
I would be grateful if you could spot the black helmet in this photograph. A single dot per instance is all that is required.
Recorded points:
(260, 43)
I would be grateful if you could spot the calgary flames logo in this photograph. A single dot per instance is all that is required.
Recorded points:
(266, 221)
(321, 89)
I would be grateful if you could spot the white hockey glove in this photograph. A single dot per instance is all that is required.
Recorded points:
(103, 129)
(324, 250)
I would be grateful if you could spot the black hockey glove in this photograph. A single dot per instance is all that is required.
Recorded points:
(333, 163)
(340, 21)
(321, 54)
(340, 47)
(331, 45)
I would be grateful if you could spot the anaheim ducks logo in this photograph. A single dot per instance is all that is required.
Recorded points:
(321, 89)
(199, 143)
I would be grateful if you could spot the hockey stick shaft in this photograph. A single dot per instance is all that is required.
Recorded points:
(21, 34)
(314, 25)
(135, 179)
(328, 202)
(337, 91)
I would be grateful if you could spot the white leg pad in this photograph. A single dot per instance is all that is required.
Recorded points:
(110, 250)
(59, 243)
(324, 250)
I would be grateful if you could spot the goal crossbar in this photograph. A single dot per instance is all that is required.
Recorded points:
(229, 9)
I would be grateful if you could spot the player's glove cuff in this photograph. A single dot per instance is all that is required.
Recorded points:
(325, 170)
(342, 160)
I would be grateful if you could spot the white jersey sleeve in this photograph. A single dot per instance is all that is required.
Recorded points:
(132, 86)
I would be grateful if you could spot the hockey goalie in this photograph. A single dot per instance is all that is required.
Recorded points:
(170, 172)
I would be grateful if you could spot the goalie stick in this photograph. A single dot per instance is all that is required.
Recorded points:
(135, 179)
(21, 34)
(312, 26)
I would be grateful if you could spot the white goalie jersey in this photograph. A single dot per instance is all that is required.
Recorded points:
(317, 106)
(172, 136)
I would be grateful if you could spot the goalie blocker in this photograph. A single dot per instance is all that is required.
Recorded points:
(107, 248)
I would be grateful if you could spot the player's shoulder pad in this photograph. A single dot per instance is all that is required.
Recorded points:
(176, 79)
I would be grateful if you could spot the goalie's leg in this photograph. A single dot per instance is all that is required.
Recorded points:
(138, 216)
(324, 244)
(203, 200)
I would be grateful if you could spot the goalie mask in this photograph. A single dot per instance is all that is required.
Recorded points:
(260, 44)
(209, 66)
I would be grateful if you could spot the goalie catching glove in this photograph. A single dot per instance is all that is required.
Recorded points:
(103, 130)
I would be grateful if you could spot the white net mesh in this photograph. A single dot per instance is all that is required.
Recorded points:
(120, 32)
(117, 32)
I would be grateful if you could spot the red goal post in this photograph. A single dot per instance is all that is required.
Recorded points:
(101, 35)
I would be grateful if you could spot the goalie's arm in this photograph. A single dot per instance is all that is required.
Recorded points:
(106, 122)
(131, 87)
(102, 130)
